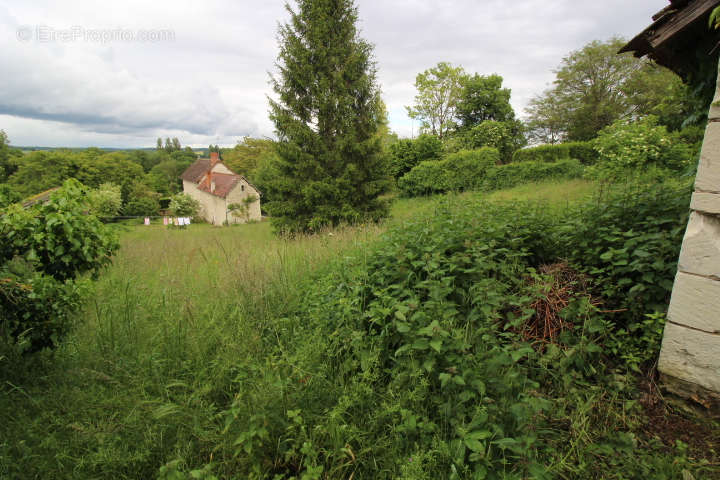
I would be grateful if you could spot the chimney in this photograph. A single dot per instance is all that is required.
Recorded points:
(214, 158)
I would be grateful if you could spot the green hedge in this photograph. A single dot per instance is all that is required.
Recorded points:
(464, 170)
(510, 175)
(581, 151)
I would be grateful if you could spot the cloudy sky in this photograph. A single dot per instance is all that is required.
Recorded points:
(122, 73)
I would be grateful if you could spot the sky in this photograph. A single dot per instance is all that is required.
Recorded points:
(120, 74)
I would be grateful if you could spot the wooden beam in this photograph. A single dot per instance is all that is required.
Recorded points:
(693, 12)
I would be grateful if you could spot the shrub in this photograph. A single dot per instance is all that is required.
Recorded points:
(45, 249)
(510, 175)
(410, 360)
(182, 205)
(543, 153)
(628, 240)
(105, 201)
(582, 151)
(464, 170)
(405, 154)
(7, 195)
(632, 148)
(142, 200)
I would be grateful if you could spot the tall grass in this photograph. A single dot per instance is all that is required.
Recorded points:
(157, 353)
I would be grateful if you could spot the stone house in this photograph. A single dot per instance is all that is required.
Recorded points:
(224, 196)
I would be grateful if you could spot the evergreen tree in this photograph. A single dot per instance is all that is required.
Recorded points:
(328, 111)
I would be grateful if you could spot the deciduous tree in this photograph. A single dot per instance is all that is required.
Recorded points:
(483, 98)
(594, 87)
(439, 90)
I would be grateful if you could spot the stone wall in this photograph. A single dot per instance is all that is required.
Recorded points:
(690, 356)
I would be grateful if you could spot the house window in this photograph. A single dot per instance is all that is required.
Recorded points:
(242, 188)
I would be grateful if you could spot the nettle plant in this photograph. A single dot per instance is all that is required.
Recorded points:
(46, 249)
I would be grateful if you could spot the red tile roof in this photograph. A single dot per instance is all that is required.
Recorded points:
(196, 171)
(224, 183)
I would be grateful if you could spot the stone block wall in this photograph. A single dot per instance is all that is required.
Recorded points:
(690, 357)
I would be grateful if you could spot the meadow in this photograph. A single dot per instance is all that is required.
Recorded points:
(190, 333)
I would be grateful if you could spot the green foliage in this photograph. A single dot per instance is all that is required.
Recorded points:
(439, 90)
(105, 201)
(483, 99)
(45, 248)
(595, 87)
(405, 154)
(412, 363)
(42, 170)
(249, 155)
(7, 162)
(182, 205)
(242, 209)
(506, 137)
(347, 355)
(626, 148)
(142, 201)
(582, 151)
(464, 170)
(628, 241)
(510, 175)
(331, 166)
(8, 195)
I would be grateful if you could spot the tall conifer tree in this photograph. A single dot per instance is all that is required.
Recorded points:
(327, 113)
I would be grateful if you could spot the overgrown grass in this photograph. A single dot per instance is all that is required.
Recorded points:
(189, 331)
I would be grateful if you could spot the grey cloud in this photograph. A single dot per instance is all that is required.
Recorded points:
(209, 84)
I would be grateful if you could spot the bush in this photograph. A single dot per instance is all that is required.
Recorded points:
(628, 240)
(45, 249)
(405, 154)
(7, 195)
(582, 151)
(105, 201)
(499, 135)
(464, 170)
(633, 148)
(182, 205)
(411, 359)
(510, 175)
(543, 153)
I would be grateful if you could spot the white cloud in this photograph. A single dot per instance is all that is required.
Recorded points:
(210, 83)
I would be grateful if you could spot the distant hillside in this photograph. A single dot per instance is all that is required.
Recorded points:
(79, 149)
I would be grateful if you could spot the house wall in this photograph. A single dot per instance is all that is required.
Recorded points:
(212, 208)
(241, 191)
(221, 168)
(690, 356)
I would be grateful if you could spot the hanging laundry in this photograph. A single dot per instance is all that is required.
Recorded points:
(165, 221)
(147, 221)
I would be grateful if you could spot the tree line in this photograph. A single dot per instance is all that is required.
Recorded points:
(334, 156)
